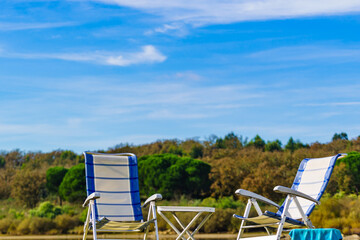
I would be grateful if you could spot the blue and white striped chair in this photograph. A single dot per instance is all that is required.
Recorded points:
(113, 195)
(309, 185)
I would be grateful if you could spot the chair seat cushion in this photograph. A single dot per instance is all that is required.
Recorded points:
(271, 220)
(288, 220)
(106, 225)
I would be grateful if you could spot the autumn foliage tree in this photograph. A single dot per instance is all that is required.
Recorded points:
(28, 187)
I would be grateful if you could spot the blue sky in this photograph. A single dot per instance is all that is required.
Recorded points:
(87, 75)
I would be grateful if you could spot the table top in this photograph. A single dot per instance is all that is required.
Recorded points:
(184, 209)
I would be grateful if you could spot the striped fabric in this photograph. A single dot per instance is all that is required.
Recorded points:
(115, 177)
(312, 178)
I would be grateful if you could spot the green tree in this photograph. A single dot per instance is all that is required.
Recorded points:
(197, 151)
(232, 141)
(220, 143)
(54, 177)
(173, 175)
(294, 145)
(257, 142)
(68, 155)
(348, 174)
(28, 187)
(73, 185)
(174, 149)
(340, 136)
(273, 146)
(2, 161)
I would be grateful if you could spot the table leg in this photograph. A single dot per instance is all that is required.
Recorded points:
(201, 224)
(169, 222)
(182, 226)
(188, 226)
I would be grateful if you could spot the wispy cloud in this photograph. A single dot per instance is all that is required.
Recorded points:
(308, 52)
(330, 104)
(167, 114)
(176, 29)
(148, 54)
(191, 76)
(7, 26)
(201, 12)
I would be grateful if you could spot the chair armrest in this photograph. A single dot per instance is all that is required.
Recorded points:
(153, 198)
(290, 191)
(246, 193)
(93, 196)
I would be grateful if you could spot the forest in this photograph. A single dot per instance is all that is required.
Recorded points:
(43, 192)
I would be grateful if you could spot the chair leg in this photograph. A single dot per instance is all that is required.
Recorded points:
(283, 218)
(93, 219)
(146, 232)
(246, 214)
(259, 212)
(148, 227)
(152, 206)
(304, 217)
(86, 225)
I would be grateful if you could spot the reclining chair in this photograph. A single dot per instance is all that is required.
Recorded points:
(113, 195)
(309, 185)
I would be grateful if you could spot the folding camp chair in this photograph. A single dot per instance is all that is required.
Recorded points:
(113, 195)
(309, 185)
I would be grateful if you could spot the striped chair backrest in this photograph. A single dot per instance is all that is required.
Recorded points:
(312, 178)
(115, 177)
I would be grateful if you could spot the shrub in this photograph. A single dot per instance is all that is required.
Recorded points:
(341, 212)
(223, 203)
(83, 215)
(5, 224)
(221, 221)
(13, 226)
(65, 222)
(47, 210)
(40, 225)
(16, 214)
(24, 226)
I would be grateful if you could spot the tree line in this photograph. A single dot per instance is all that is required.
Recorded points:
(214, 168)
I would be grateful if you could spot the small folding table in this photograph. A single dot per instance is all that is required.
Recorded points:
(208, 211)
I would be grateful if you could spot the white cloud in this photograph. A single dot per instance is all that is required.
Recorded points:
(167, 27)
(175, 29)
(149, 54)
(201, 12)
(7, 26)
